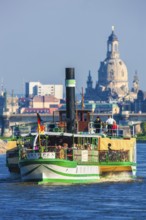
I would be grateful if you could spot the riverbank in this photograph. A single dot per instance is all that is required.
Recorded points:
(3, 146)
(141, 141)
(141, 138)
(6, 145)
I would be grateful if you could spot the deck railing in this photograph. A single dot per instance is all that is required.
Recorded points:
(121, 131)
(114, 156)
(78, 155)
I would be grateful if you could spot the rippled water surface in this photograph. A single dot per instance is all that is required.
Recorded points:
(107, 200)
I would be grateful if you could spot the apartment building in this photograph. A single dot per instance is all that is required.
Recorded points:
(38, 89)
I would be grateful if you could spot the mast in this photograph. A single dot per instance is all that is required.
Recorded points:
(12, 102)
(82, 103)
(82, 98)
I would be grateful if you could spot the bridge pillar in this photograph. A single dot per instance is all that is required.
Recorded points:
(6, 132)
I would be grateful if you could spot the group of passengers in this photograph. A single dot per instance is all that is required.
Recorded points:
(110, 126)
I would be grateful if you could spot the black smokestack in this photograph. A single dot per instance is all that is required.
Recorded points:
(70, 99)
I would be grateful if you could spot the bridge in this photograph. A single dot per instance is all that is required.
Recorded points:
(125, 115)
(8, 121)
(17, 119)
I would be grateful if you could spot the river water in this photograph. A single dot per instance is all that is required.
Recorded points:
(103, 201)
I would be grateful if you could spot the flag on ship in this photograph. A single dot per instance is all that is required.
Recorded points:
(41, 127)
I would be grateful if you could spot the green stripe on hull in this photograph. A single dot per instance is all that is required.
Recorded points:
(68, 181)
(117, 164)
(61, 173)
(72, 164)
(58, 162)
(64, 171)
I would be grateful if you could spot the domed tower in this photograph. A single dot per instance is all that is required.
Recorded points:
(112, 73)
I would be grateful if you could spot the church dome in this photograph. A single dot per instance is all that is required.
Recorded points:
(113, 72)
(116, 70)
(114, 75)
(112, 82)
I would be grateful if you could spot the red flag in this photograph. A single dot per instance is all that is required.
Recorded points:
(41, 127)
(39, 118)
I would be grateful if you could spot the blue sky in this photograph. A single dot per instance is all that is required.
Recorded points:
(40, 38)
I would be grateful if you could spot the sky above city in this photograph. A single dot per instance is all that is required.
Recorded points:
(40, 38)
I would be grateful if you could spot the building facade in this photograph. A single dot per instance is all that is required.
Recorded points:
(29, 88)
(38, 89)
(44, 101)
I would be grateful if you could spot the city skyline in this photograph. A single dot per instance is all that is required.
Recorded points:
(39, 39)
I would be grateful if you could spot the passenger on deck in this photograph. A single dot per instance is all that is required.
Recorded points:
(70, 154)
(65, 145)
(97, 124)
(109, 123)
(109, 147)
(75, 147)
(58, 149)
(89, 146)
(114, 128)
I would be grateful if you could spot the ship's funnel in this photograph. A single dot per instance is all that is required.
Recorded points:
(70, 99)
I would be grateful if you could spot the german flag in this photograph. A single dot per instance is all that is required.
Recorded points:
(41, 127)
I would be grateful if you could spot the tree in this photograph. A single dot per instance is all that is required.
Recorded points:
(143, 127)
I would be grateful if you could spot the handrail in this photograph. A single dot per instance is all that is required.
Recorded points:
(79, 155)
(114, 156)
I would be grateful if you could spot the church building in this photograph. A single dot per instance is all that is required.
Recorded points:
(112, 81)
